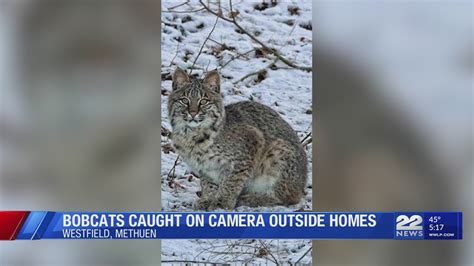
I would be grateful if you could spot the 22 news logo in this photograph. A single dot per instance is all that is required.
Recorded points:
(409, 226)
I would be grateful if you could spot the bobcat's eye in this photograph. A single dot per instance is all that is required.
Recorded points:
(184, 100)
(203, 101)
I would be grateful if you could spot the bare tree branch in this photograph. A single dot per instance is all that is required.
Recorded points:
(258, 72)
(191, 261)
(176, 54)
(261, 71)
(271, 50)
(176, 6)
(306, 137)
(184, 11)
(269, 252)
(172, 172)
(307, 140)
(304, 255)
(204, 43)
(236, 57)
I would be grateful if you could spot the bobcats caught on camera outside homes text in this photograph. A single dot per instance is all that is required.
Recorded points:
(244, 153)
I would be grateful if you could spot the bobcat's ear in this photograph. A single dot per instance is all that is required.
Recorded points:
(180, 78)
(212, 81)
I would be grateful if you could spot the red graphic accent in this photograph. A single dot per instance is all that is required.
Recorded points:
(10, 223)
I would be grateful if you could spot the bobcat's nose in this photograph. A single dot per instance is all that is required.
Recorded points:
(193, 114)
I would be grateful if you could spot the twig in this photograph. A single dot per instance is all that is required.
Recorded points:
(176, 54)
(204, 43)
(171, 173)
(221, 44)
(183, 11)
(304, 255)
(273, 51)
(307, 142)
(306, 137)
(191, 261)
(233, 251)
(256, 72)
(249, 75)
(214, 13)
(269, 252)
(236, 57)
(232, 49)
(176, 6)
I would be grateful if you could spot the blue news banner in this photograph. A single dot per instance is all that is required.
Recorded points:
(226, 225)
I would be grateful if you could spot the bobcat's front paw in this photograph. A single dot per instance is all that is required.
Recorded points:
(202, 204)
(221, 204)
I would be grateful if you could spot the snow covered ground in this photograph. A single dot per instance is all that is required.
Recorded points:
(285, 27)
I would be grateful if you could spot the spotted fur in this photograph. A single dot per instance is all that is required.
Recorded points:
(244, 153)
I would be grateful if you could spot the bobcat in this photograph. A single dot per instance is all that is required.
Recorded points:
(244, 153)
